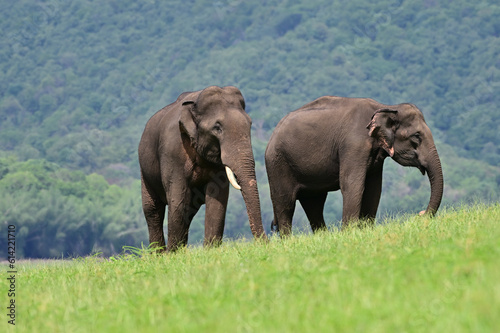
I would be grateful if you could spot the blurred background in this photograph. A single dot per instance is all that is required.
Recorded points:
(79, 80)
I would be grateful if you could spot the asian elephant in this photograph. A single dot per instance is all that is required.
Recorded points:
(188, 154)
(341, 143)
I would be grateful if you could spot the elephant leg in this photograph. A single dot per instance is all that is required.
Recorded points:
(313, 206)
(284, 218)
(284, 207)
(283, 188)
(352, 185)
(216, 196)
(371, 195)
(154, 212)
(181, 210)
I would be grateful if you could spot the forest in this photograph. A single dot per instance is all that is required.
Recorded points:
(79, 80)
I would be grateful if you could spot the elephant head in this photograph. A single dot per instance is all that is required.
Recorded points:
(403, 134)
(219, 131)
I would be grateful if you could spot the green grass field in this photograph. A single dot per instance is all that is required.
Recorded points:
(413, 274)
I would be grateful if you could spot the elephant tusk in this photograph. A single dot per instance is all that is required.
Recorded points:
(232, 179)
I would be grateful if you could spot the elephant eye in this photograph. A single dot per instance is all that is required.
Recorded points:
(217, 128)
(416, 139)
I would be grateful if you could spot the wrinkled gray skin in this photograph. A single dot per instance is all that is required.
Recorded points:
(341, 143)
(183, 153)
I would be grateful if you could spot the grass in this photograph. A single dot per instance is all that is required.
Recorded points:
(412, 274)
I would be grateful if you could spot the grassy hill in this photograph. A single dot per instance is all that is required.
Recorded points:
(412, 274)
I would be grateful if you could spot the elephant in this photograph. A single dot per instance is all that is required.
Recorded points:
(189, 152)
(341, 143)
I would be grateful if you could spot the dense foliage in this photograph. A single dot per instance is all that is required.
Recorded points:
(59, 212)
(80, 79)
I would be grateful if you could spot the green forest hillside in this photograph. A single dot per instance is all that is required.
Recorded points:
(79, 80)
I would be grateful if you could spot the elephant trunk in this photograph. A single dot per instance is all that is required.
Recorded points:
(435, 173)
(243, 167)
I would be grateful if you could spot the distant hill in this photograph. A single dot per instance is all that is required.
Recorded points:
(80, 79)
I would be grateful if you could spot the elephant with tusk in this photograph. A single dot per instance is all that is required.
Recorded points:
(188, 154)
(232, 178)
(341, 143)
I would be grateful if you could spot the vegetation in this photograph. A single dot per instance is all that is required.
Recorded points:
(80, 79)
(58, 212)
(412, 274)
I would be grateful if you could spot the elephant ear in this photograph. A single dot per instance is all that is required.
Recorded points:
(187, 124)
(383, 127)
